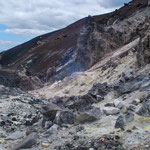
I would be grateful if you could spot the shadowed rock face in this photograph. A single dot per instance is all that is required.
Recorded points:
(9, 78)
(143, 48)
(75, 48)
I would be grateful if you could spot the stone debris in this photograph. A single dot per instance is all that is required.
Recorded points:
(90, 100)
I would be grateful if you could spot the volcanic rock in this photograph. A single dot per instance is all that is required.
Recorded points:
(28, 142)
(120, 123)
(100, 61)
(64, 117)
(111, 110)
(88, 116)
(50, 111)
(99, 91)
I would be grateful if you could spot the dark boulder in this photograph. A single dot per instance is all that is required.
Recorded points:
(99, 90)
(49, 111)
(90, 115)
(64, 117)
(120, 123)
(128, 85)
(77, 103)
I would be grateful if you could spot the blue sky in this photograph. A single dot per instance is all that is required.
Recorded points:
(22, 20)
(11, 36)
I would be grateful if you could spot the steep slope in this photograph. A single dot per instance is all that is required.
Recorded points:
(103, 105)
(77, 47)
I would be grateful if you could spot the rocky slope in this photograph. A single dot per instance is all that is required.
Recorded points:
(77, 47)
(102, 100)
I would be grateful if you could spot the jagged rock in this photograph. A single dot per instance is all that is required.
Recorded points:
(64, 117)
(124, 87)
(79, 102)
(77, 48)
(99, 90)
(28, 142)
(120, 123)
(111, 110)
(88, 116)
(50, 110)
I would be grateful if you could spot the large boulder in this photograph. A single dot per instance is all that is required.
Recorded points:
(78, 103)
(130, 84)
(110, 110)
(64, 117)
(49, 111)
(90, 115)
(120, 122)
(99, 90)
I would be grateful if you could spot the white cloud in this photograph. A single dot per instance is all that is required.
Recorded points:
(26, 32)
(5, 44)
(112, 3)
(35, 17)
